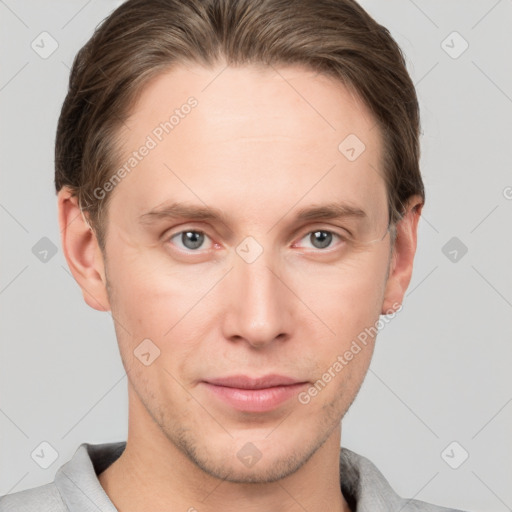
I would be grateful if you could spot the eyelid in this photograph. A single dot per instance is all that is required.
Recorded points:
(181, 228)
(328, 227)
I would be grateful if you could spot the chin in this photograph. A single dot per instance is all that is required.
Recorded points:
(272, 469)
(241, 460)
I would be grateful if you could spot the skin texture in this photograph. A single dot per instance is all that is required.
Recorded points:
(261, 144)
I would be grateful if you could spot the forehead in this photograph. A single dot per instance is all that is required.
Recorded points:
(259, 99)
(253, 134)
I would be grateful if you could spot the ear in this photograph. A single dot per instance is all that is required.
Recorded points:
(82, 251)
(401, 261)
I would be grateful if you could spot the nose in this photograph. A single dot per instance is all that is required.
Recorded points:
(260, 307)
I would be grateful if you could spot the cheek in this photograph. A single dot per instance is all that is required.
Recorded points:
(149, 291)
(154, 301)
(348, 296)
(349, 301)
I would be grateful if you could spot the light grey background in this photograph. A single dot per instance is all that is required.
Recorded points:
(441, 369)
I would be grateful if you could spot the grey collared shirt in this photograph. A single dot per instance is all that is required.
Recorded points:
(76, 487)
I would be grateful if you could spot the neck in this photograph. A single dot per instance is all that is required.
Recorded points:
(153, 473)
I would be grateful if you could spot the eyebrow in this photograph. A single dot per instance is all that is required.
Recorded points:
(176, 210)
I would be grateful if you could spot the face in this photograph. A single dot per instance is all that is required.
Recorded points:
(256, 287)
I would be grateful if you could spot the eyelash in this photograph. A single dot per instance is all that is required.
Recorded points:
(198, 251)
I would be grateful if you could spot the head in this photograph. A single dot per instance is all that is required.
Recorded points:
(200, 155)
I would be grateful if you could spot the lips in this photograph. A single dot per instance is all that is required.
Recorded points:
(245, 382)
(257, 395)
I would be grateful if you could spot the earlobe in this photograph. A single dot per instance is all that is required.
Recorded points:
(401, 264)
(82, 252)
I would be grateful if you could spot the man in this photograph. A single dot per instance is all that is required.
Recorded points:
(238, 183)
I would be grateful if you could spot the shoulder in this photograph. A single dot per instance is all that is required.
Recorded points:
(45, 498)
(367, 486)
(76, 485)
(422, 506)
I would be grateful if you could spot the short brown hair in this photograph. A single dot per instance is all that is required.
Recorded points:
(143, 38)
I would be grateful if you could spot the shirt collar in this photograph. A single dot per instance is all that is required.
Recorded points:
(362, 484)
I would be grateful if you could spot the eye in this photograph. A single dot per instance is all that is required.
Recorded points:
(321, 238)
(190, 239)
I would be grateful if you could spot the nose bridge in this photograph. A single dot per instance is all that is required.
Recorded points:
(259, 304)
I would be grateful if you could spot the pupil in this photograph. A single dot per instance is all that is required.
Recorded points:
(324, 239)
(192, 239)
